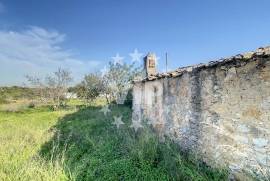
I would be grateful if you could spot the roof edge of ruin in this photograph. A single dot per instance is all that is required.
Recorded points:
(262, 52)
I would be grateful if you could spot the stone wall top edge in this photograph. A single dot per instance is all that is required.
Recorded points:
(236, 61)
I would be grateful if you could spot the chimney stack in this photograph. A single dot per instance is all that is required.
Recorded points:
(150, 64)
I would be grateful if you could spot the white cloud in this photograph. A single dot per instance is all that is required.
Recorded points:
(36, 51)
(2, 8)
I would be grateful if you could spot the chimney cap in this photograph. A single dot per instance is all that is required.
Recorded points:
(151, 54)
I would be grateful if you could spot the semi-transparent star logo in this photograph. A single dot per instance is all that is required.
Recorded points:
(118, 59)
(136, 56)
(136, 125)
(118, 121)
(105, 110)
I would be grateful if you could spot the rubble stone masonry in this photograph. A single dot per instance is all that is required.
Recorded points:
(219, 111)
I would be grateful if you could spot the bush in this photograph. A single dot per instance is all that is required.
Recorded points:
(3, 100)
(129, 98)
(31, 105)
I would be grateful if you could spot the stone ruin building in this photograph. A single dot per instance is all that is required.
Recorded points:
(219, 111)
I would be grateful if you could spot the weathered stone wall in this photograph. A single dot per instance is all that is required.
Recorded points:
(220, 112)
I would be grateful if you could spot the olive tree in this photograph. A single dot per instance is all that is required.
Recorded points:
(117, 81)
(53, 88)
(91, 87)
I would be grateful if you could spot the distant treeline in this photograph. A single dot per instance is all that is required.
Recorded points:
(15, 93)
(11, 93)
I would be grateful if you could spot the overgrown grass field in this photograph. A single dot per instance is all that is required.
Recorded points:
(83, 144)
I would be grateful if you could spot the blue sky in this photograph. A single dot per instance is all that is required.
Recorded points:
(36, 37)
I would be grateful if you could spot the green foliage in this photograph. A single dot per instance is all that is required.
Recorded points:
(3, 100)
(52, 88)
(31, 105)
(90, 88)
(40, 144)
(96, 150)
(115, 82)
(121, 74)
(118, 79)
(129, 98)
(15, 93)
(21, 136)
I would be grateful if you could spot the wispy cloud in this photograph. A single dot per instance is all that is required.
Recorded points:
(2, 8)
(36, 51)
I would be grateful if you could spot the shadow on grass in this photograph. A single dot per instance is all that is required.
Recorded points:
(90, 147)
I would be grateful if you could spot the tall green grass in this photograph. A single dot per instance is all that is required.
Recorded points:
(95, 150)
(21, 136)
(40, 144)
